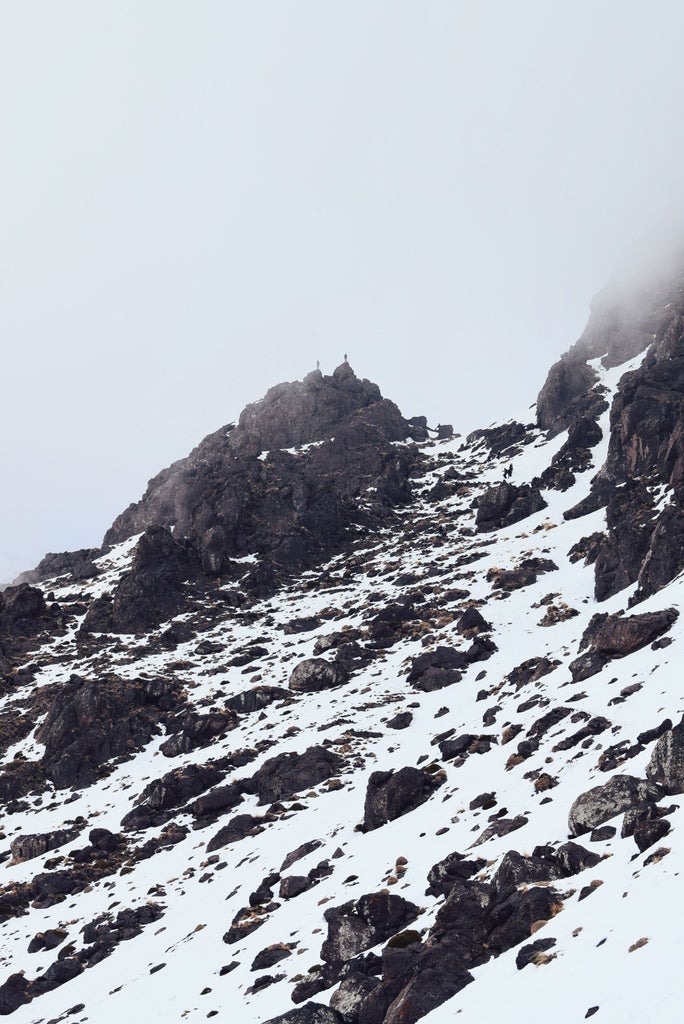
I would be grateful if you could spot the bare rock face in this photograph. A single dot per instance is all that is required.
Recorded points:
(574, 456)
(505, 439)
(310, 1013)
(255, 699)
(23, 611)
(291, 507)
(356, 926)
(615, 636)
(438, 668)
(24, 617)
(91, 723)
(75, 565)
(514, 870)
(472, 621)
(544, 864)
(666, 767)
(601, 803)
(625, 315)
(315, 674)
(190, 731)
(155, 804)
(506, 504)
(475, 922)
(447, 873)
(306, 411)
(664, 556)
(351, 994)
(26, 847)
(15, 992)
(287, 773)
(238, 828)
(570, 390)
(150, 593)
(389, 795)
(644, 541)
(646, 450)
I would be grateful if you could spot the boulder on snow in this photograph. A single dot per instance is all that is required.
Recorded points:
(390, 794)
(315, 674)
(506, 504)
(666, 767)
(447, 873)
(472, 621)
(289, 772)
(614, 636)
(438, 668)
(26, 847)
(360, 924)
(603, 802)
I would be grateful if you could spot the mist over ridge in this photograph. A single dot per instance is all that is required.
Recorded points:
(233, 197)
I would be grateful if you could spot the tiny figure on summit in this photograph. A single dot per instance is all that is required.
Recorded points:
(345, 357)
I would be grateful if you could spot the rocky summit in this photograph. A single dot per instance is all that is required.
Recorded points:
(352, 720)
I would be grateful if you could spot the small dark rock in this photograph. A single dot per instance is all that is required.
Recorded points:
(529, 952)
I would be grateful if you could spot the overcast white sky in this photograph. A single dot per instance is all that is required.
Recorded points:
(198, 200)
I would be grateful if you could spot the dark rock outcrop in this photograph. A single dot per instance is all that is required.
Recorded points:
(389, 795)
(237, 829)
(472, 621)
(633, 307)
(530, 953)
(76, 565)
(601, 803)
(636, 312)
(666, 767)
(302, 851)
(504, 439)
(315, 674)
(93, 722)
(15, 992)
(288, 773)
(474, 923)
(447, 873)
(255, 699)
(150, 593)
(506, 504)
(190, 731)
(571, 390)
(615, 636)
(107, 931)
(289, 507)
(361, 924)
(437, 668)
(23, 611)
(310, 1013)
(160, 797)
(49, 939)
(294, 885)
(26, 847)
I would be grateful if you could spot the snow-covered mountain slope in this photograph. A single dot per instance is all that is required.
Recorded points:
(360, 787)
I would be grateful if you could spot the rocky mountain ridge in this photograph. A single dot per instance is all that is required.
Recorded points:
(351, 721)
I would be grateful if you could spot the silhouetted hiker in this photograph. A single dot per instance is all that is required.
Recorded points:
(318, 364)
(345, 357)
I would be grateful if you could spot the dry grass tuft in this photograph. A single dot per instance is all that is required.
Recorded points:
(637, 945)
